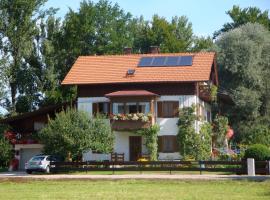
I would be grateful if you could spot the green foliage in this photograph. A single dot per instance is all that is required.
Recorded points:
(258, 152)
(73, 132)
(254, 132)
(246, 15)
(186, 132)
(244, 71)
(171, 36)
(5, 147)
(151, 140)
(213, 91)
(191, 144)
(202, 43)
(204, 145)
(220, 128)
(18, 33)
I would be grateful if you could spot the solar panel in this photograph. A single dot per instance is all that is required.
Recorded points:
(159, 61)
(185, 61)
(172, 60)
(162, 61)
(145, 61)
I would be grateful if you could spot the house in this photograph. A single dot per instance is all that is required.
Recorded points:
(155, 84)
(24, 128)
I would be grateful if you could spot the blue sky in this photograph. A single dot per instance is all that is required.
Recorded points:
(206, 16)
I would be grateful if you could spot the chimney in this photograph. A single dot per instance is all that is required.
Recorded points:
(127, 50)
(154, 49)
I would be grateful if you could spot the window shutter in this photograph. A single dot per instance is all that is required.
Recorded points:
(109, 108)
(160, 146)
(159, 105)
(175, 108)
(175, 144)
(95, 109)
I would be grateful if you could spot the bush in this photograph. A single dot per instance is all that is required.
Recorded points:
(258, 152)
(254, 132)
(72, 132)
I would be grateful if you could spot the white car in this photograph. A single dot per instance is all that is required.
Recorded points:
(40, 163)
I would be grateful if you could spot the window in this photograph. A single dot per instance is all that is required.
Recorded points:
(168, 109)
(38, 125)
(118, 108)
(144, 107)
(167, 144)
(131, 108)
(101, 108)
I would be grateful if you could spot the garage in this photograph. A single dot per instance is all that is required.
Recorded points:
(26, 152)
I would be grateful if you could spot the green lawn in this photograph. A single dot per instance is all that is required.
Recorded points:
(134, 189)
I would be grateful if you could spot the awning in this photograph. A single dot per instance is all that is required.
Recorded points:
(131, 93)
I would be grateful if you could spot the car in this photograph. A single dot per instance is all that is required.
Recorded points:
(40, 163)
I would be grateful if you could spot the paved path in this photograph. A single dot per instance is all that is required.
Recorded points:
(22, 175)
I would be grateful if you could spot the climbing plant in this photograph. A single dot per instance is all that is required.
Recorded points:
(213, 93)
(151, 139)
(192, 144)
(220, 128)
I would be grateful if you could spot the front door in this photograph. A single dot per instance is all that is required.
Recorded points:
(135, 147)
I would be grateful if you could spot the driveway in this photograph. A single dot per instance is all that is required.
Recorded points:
(23, 175)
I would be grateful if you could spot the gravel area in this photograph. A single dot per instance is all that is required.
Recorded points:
(23, 175)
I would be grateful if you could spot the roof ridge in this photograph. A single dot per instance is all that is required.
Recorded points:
(148, 54)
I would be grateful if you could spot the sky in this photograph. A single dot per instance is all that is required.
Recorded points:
(206, 16)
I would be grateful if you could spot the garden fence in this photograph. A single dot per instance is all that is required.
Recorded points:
(237, 167)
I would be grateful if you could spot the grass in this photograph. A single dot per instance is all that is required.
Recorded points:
(134, 189)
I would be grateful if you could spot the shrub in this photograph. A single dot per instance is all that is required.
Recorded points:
(258, 152)
(73, 132)
(254, 132)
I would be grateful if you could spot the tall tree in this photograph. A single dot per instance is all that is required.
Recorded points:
(18, 28)
(242, 16)
(171, 36)
(243, 59)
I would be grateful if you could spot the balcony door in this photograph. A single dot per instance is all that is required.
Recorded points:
(135, 147)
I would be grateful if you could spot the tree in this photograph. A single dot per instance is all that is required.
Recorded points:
(202, 43)
(171, 36)
(18, 28)
(244, 71)
(242, 16)
(254, 132)
(73, 132)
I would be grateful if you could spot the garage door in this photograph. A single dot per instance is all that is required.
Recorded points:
(26, 154)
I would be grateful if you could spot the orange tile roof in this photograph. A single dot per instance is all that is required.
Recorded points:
(113, 69)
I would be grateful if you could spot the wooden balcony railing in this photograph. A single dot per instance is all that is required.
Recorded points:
(205, 93)
(129, 125)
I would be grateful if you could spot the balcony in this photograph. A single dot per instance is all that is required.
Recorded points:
(205, 93)
(129, 125)
(129, 122)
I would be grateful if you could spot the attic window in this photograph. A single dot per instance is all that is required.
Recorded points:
(130, 72)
